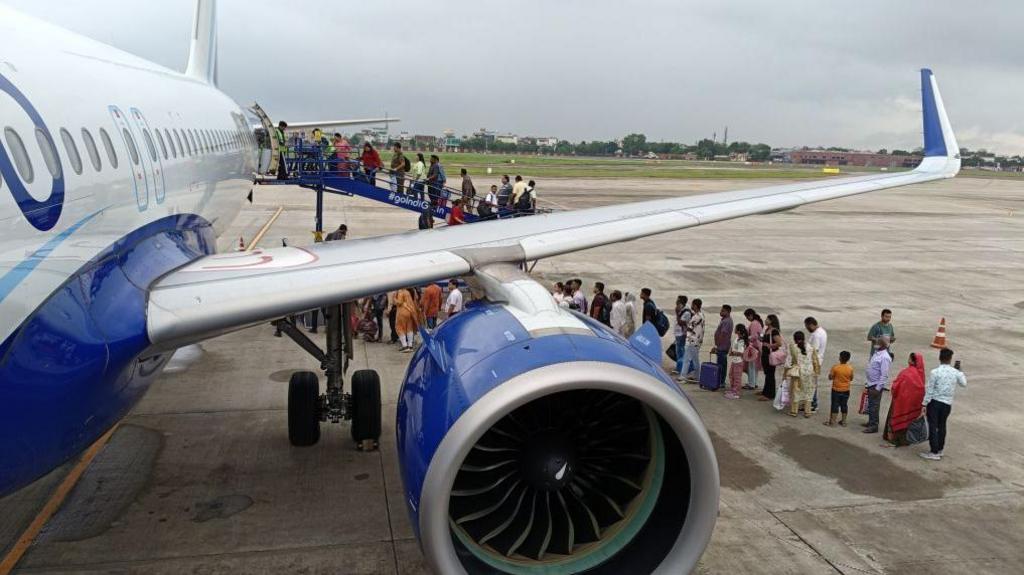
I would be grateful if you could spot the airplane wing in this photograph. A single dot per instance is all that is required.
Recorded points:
(333, 123)
(219, 293)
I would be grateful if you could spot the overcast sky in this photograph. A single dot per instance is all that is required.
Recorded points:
(785, 73)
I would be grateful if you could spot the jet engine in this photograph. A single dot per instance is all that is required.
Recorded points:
(534, 440)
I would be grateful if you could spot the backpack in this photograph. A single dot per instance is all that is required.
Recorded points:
(406, 166)
(660, 322)
(441, 177)
(380, 302)
(605, 315)
(525, 202)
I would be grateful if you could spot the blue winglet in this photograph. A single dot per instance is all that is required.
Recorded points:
(934, 142)
(647, 341)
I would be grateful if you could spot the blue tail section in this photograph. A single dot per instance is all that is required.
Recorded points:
(934, 142)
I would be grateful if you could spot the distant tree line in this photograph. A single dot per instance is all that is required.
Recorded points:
(632, 145)
(635, 145)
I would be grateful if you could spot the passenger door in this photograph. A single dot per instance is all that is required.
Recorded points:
(140, 179)
(156, 168)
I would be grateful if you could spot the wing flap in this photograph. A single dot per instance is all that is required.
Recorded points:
(201, 300)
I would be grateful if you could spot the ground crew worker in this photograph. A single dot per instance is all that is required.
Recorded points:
(282, 147)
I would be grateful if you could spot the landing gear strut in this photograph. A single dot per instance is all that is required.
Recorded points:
(307, 407)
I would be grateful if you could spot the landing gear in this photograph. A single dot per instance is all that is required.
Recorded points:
(303, 408)
(366, 409)
(307, 407)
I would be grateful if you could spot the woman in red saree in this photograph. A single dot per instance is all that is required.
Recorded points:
(907, 395)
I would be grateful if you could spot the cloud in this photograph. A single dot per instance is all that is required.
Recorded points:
(790, 73)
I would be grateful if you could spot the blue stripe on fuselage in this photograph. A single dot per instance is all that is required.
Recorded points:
(72, 369)
(19, 272)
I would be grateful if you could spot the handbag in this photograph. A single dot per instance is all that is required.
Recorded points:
(781, 396)
(863, 408)
(917, 431)
(672, 352)
(777, 357)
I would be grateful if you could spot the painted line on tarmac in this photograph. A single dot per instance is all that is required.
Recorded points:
(259, 235)
(53, 504)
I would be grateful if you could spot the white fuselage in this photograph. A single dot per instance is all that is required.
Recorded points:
(74, 83)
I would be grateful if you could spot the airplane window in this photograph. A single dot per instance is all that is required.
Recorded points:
(72, 150)
(149, 144)
(50, 157)
(177, 138)
(109, 146)
(160, 140)
(21, 159)
(90, 147)
(133, 151)
(170, 143)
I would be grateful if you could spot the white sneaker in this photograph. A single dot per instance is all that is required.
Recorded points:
(930, 456)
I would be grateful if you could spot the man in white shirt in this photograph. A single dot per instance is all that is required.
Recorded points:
(453, 304)
(579, 299)
(818, 338)
(619, 314)
(938, 402)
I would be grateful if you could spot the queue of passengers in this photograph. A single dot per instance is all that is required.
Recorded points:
(426, 179)
(407, 311)
(792, 368)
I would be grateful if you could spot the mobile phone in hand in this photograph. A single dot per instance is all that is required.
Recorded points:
(956, 365)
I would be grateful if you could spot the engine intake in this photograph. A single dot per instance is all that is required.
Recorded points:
(569, 468)
(568, 480)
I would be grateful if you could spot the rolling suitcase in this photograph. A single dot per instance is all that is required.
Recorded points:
(709, 375)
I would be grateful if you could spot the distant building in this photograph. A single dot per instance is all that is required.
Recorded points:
(484, 134)
(834, 158)
(507, 139)
(422, 142)
(547, 142)
(451, 143)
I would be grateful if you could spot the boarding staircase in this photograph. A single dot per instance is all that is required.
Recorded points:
(310, 167)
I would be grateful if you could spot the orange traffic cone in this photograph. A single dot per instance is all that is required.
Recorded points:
(940, 336)
(241, 244)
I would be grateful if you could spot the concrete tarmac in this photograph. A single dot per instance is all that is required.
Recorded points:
(200, 477)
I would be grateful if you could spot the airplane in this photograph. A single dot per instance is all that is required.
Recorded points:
(530, 438)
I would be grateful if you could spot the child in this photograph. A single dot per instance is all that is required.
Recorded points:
(841, 375)
(737, 364)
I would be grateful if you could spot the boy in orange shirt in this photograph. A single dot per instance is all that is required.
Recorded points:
(841, 375)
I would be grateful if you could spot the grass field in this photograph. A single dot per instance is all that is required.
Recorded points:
(590, 167)
(593, 167)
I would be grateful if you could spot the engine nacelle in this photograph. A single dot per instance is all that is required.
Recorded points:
(532, 445)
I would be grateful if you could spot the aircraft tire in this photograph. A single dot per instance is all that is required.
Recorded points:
(303, 406)
(365, 406)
